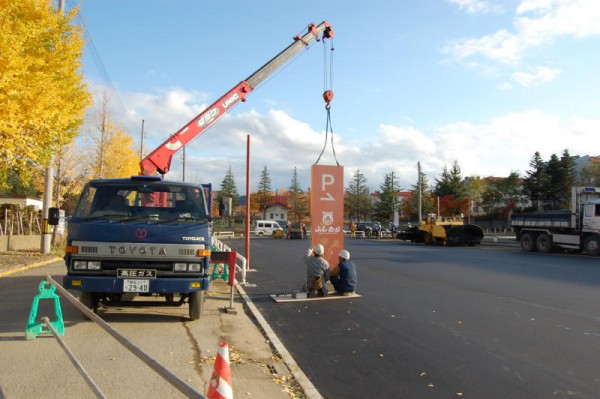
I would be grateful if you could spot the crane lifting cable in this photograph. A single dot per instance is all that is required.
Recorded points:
(328, 95)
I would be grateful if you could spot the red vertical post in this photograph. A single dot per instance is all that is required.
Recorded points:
(247, 236)
(231, 258)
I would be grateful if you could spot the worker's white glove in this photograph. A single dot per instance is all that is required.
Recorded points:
(309, 252)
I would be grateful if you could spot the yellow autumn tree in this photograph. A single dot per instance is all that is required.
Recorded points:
(111, 151)
(42, 93)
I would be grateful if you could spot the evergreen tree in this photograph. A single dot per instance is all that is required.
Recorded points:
(569, 172)
(264, 193)
(357, 202)
(451, 192)
(297, 198)
(229, 188)
(450, 183)
(553, 187)
(388, 201)
(534, 182)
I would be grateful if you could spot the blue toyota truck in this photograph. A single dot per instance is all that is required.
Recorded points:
(141, 236)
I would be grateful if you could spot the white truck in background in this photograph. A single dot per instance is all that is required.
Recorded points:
(576, 229)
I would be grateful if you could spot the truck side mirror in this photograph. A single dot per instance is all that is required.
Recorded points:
(225, 206)
(53, 216)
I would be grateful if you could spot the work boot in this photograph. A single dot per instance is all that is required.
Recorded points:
(317, 283)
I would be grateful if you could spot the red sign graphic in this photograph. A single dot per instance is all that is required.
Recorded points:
(141, 233)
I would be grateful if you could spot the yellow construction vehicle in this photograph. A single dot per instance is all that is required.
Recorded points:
(435, 230)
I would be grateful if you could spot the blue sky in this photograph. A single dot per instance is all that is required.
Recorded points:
(483, 82)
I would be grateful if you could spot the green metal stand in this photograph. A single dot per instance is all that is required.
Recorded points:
(220, 270)
(34, 329)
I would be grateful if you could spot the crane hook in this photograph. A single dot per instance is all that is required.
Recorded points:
(328, 96)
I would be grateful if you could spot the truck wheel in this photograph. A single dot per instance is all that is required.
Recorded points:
(90, 301)
(427, 239)
(527, 243)
(592, 245)
(544, 243)
(196, 301)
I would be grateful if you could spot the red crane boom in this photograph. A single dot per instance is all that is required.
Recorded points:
(159, 160)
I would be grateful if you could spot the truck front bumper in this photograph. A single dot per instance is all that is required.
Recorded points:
(156, 286)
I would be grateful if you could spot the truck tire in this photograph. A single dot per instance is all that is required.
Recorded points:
(528, 242)
(196, 302)
(427, 239)
(592, 245)
(544, 243)
(90, 301)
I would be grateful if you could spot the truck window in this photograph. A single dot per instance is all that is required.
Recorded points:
(85, 202)
(157, 202)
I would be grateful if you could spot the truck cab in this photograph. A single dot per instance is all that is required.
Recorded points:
(591, 216)
(140, 237)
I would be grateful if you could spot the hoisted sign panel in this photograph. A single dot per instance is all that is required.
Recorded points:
(327, 210)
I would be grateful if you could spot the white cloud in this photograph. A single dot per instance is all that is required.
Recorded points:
(536, 23)
(539, 75)
(279, 142)
(477, 6)
(503, 47)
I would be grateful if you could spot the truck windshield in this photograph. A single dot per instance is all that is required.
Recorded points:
(142, 201)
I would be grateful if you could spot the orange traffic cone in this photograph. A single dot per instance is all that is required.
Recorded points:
(220, 382)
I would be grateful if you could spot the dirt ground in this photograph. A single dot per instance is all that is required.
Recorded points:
(16, 259)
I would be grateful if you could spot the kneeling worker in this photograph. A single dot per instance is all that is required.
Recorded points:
(345, 281)
(317, 271)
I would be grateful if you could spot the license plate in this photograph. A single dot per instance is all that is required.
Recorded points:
(131, 285)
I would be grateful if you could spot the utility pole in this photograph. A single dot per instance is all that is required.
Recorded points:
(183, 159)
(142, 142)
(46, 241)
(247, 226)
(420, 184)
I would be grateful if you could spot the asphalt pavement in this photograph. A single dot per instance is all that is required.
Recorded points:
(440, 322)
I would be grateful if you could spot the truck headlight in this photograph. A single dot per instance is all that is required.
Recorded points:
(194, 267)
(87, 265)
(79, 265)
(180, 267)
(96, 265)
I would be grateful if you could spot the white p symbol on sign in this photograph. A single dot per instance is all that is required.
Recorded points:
(327, 180)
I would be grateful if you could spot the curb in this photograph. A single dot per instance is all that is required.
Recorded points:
(309, 389)
(28, 267)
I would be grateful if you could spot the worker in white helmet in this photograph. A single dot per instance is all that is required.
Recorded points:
(317, 271)
(345, 281)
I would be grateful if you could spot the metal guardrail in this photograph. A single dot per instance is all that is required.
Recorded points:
(74, 360)
(225, 248)
(171, 378)
(224, 234)
(357, 234)
(500, 241)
